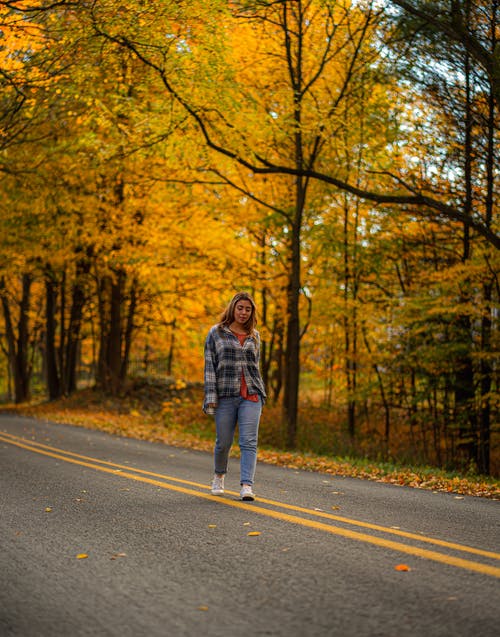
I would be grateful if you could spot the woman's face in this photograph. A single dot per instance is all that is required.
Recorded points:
(242, 312)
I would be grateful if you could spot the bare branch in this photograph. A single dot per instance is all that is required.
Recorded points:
(457, 30)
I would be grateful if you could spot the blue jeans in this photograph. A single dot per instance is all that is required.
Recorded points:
(246, 413)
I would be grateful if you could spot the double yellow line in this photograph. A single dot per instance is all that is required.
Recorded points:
(261, 507)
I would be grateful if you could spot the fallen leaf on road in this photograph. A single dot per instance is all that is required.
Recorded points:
(335, 508)
(202, 607)
(212, 526)
(117, 555)
(48, 509)
(81, 556)
(402, 567)
(246, 523)
(253, 533)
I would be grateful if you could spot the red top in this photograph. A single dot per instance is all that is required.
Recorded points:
(244, 389)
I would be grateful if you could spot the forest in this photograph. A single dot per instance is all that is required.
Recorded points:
(336, 158)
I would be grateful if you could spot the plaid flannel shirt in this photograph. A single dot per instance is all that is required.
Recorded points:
(226, 360)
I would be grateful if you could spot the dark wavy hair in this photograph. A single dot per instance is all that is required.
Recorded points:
(227, 317)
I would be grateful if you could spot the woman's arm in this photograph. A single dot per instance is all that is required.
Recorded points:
(210, 372)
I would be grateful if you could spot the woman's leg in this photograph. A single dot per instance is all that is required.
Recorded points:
(226, 415)
(248, 425)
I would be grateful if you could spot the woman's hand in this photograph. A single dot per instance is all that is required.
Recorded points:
(210, 408)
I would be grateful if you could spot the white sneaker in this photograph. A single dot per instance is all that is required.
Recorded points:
(246, 492)
(218, 485)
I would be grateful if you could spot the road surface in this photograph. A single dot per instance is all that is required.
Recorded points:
(102, 535)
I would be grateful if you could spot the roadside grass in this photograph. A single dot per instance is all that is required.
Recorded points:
(178, 421)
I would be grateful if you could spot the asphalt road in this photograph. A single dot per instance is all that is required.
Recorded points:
(165, 558)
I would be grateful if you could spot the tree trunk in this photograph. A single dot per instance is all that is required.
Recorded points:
(465, 412)
(464, 376)
(114, 340)
(113, 350)
(350, 329)
(294, 45)
(171, 347)
(18, 346)
(278, 356)
(78, 300)
(129, 329)
(292, 360)
(51, 358)
(62, 332)
(483, 455)
(486, 368)
(383, 397)
(102, 376)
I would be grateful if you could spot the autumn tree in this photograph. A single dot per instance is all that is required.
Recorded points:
(25, 64)
(456, 81)
(107, 186)
(316, 55)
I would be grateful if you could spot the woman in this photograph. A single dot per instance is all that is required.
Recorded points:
(234, 389)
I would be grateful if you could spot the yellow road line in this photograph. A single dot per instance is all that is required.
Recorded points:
(285, 517)
(283, 505)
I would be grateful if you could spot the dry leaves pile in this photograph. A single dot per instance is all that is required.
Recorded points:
(438, 481)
